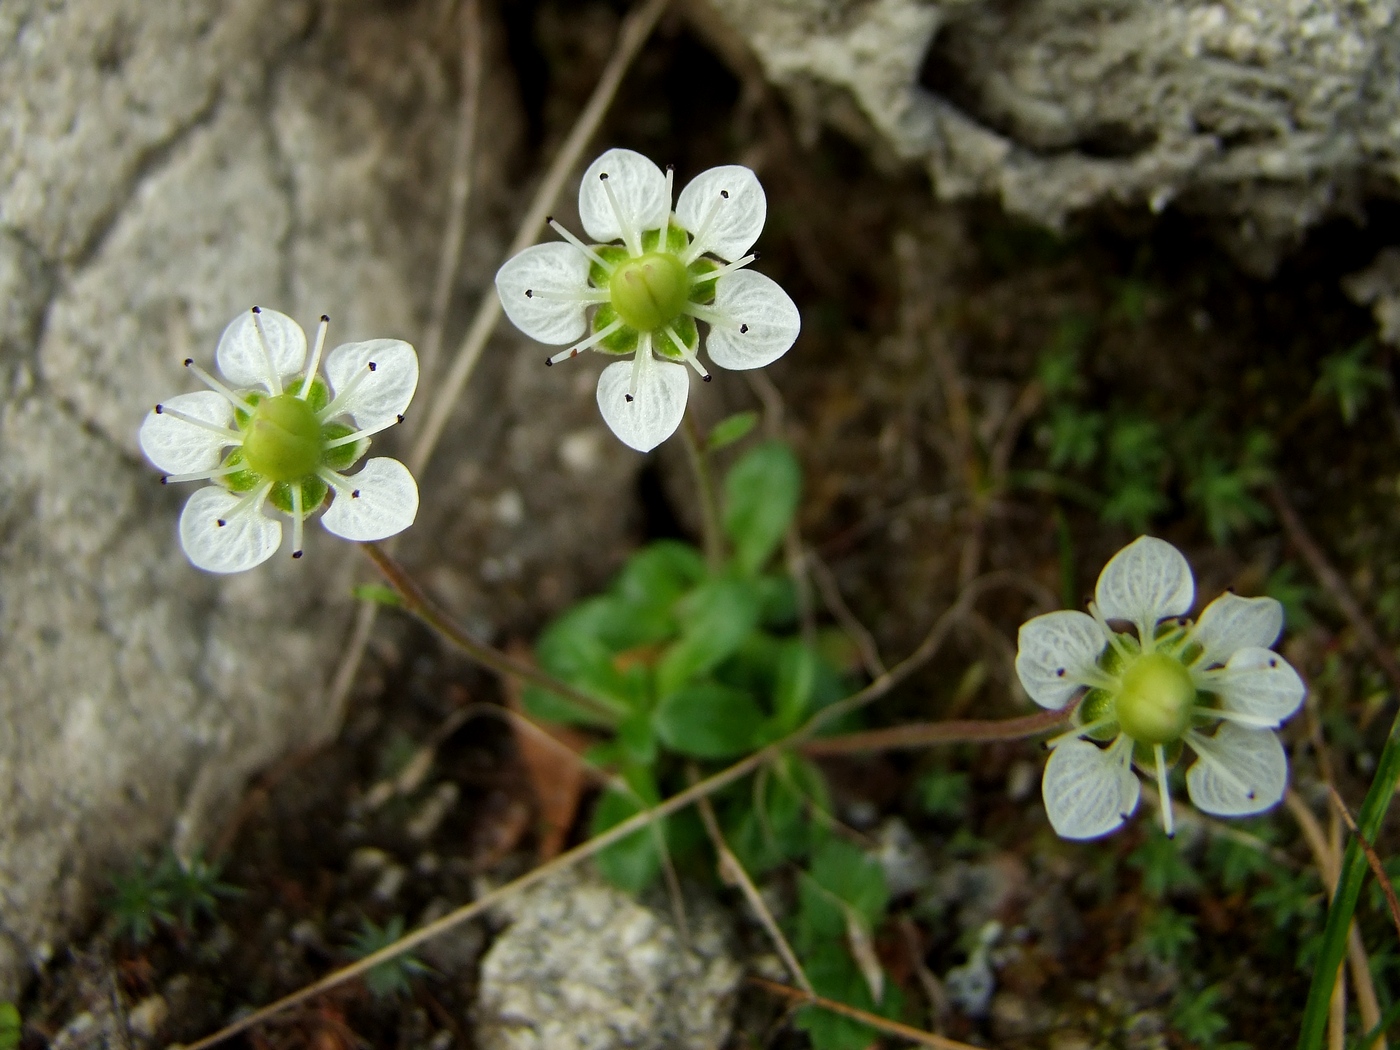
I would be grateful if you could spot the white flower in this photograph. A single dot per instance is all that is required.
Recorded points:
(278, 435)
(1151, 693)
(647, 293)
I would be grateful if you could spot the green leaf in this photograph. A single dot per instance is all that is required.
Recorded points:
(715, 619)
(841, 877)
(377, 593)
(571, 649)
(731, 429)
(835, 975)
(660, 573)
(799, 670)
(760, 498)
(11, 1028)
(943, 793)
(634, 862)
(709, 721)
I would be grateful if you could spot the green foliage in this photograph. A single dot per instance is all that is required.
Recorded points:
(1236, 863)
(1286, 587)
(1167, 934)
(1163, 867)
(731, 429)
(377, 593)
(1349, 376)
(943, 793)
(1223, 491)
(760, 499)
(394, 977)
(708, 720)
(11, 1028)
(1197, 1017)
(171, 893)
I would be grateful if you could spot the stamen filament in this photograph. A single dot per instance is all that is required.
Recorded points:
(711, 316)
(233, 436)
(360, 435)
(253, 500)
(586, 344)
(698, 243)
(1080, 732)
(665, 225)
(274, 381)
(590, 295)
(1196, 740)
(1113, 637)
(1168, 823)
(203, 475)
(639, 362)
(594, 256)
(218, 388)
(688, 354)
(298, 516)
(335, 406)
(321, 330)
(339, 482)
(1238, 717)
(737, 264)
(630, 237)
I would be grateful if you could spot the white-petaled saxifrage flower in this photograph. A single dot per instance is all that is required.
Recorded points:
(1213, 685)
(643, 296)
(276, 435)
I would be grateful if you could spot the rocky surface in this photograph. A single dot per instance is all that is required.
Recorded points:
(1266, 115)
(584, 966)
(163, 167)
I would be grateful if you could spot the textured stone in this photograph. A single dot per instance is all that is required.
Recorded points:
(584, 966)
(1268, 115)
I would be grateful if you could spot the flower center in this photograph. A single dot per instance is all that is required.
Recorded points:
(283, 441)
(649, 291)
(1155, 700)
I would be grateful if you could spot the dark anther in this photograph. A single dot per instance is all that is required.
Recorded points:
(529, 293)
(160, 409)
(549, 362)
(627, 398)
(1273, 663)
(670, 167)
(400, 417)
(602, 176)
(326, 318)
(548, 219)
(372, 366)
(354, 493)
(257, 309)
(724, 194)
(743, 328)
(296, 554)
(189, 361)
(220, 522)
(707, 378)
(165, 481)
(1249, 794)
(755, 256)
(1059, 672)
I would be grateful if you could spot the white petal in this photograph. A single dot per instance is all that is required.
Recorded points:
(1257, 682)
(247, 539)
(387, 502)
(177, 447)
(637, 184)
(557, 268)
(755, 303)
(382, 395)
(1088, 791)
(1231, 623)
(658, 408)
(1056, 654)
(738, 218)
(1257, 771)
(1147, 581)
(242, 358)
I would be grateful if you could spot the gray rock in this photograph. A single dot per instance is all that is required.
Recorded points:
(166, 165)
(1265, 115)
(584, 966)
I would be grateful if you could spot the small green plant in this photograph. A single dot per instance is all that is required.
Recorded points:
(943, 793)
(394, 977)
(11, 1028)
(172, 892)
(1163, 867)
(1197, 1017)
(1167, 934)
(1349, 376)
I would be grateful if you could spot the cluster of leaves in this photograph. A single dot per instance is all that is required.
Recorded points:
(394, 977)
(1125, 463)
(694, 664)
(171, 892)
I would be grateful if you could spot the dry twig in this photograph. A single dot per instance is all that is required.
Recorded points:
(1372, 857)
(881, 1024)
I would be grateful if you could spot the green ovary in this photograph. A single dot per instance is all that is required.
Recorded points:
(282, 440)
(1155, 699)
(649, 291)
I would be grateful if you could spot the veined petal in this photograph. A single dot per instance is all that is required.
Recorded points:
(1240, 771)
(1088, 791)
(177, 447)
(732, 199)
(242, 358)
(381, 396)
(638, 186)
(765, 321)
(1231, 623)
(1057, 654)
(385, 502)
(657, 408)
(557, 269)
(1147, 581)
(246, 539)
(1258, 682)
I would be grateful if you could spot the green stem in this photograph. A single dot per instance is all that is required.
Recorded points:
(423, 607)
(1339, 915)
(705, 488)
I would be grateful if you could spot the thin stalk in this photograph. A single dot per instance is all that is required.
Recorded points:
(421, 606)
(928, 733)
(881, 1024)
(705, 489)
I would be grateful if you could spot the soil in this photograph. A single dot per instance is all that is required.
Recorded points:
(903, 300)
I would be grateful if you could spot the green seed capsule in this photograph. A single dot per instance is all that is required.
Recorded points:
(283, 439)
(1155, 701)
(650, 291)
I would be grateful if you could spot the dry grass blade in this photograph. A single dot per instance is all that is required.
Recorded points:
(925, 734)
(1372, 857)
(880, 1024)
